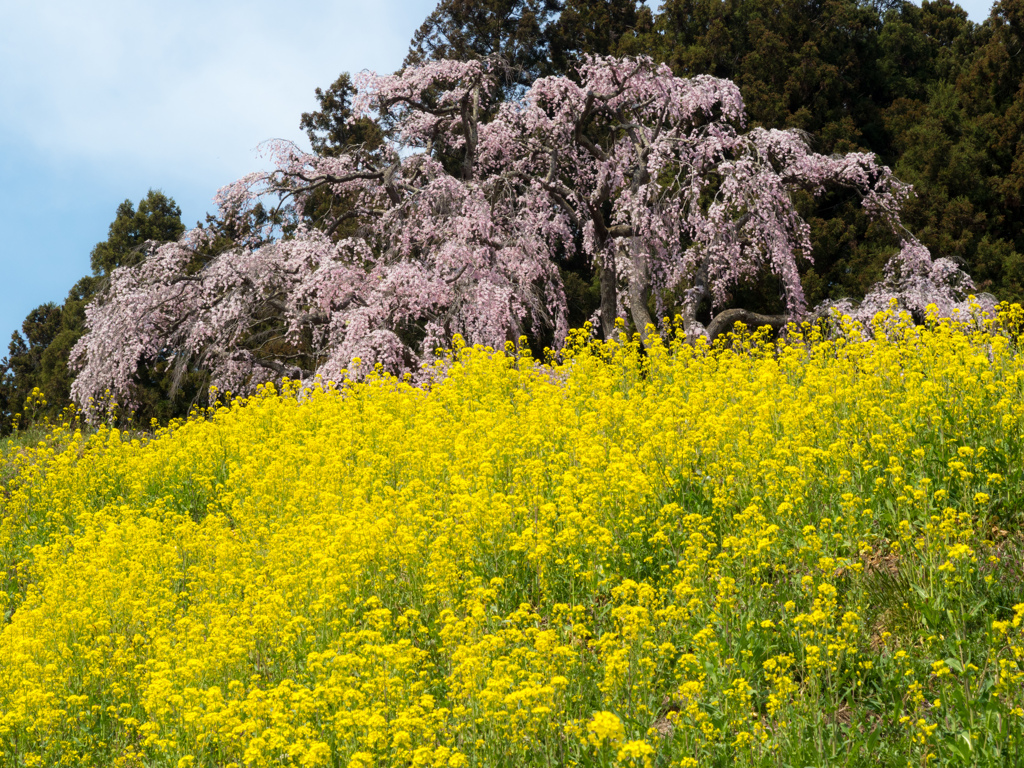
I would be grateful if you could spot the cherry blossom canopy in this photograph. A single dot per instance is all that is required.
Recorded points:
(458, 223)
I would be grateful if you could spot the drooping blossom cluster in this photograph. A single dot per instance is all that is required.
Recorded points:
(918, 284)
(457, 223)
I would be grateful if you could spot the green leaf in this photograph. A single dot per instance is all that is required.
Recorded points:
(965, 736)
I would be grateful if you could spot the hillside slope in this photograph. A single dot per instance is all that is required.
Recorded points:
(799, 554)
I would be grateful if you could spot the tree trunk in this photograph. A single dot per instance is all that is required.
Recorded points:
(691, 304)
(609, 299)
(639, 293)
(723, 322)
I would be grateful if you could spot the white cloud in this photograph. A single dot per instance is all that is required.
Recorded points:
(192, 85)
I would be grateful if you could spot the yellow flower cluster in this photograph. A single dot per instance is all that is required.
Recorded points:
(678, 555)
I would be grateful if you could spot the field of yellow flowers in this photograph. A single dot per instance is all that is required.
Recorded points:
(797, 553)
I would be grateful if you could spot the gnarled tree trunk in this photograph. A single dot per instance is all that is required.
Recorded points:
(723, 322)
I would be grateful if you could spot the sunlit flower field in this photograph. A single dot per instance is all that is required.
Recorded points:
(802, 553)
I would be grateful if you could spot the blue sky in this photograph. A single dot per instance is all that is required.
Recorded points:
(101, 100)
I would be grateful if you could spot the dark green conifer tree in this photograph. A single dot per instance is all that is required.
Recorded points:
(597, 27)
(514, 31)
(961, 143)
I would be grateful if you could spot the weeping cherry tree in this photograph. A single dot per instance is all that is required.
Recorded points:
(458, 222)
